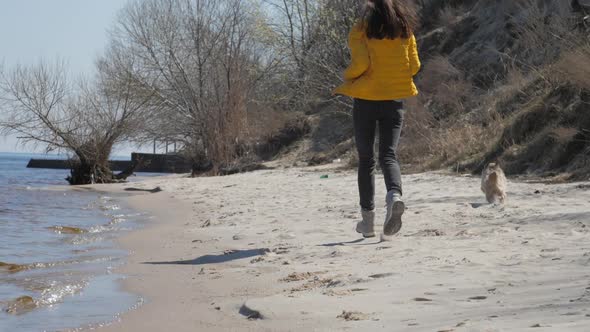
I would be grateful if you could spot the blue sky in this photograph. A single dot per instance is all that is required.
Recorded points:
(75, 30)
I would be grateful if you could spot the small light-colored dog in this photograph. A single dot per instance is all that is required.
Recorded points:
(493, 183)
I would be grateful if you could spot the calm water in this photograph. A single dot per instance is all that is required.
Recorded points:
(66, 272)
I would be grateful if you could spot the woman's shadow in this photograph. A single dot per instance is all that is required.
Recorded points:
(215, 259)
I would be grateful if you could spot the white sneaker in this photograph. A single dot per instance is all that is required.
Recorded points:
(367, 226)
(393, 218)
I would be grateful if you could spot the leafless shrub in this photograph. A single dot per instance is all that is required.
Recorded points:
(202, 60)
(445, 85)
(543, 29)
(501, 100)
(449, 15)
(418, 135)
(264, 122)
(515, 79)
(312, 35)
(574, 66)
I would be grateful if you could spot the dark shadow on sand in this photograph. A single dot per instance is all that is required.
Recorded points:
(478, 205)
(215, 259)
(343, 243)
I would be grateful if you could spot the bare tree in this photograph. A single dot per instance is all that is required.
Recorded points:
(201, 62)
(312, 36)
(41, 105)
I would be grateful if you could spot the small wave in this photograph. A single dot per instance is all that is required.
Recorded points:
(108, 227)
(85, 239)
(56, 293)
(116, 220)
(101, 229)
(139, 301)
(82, 260)
(104, 203)
(131, 215)
(112, 207)
(52, 294)
(15, 268)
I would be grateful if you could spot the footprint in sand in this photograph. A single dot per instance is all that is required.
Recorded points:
(257, 260)
(422, 299)
(299, 276)
(478, 298)
(280, 250)
(353, 316)
(287, 236)
(312, 281)
(338, 292)
(428, 232)
(381, 275)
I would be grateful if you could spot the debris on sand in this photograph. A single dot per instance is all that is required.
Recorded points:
(249, 313)
(153, 191)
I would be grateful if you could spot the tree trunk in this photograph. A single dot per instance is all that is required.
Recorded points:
(82, 173)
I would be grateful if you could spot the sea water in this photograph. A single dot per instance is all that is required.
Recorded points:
(60, 244)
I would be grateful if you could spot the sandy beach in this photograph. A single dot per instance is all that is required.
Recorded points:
(276, 250)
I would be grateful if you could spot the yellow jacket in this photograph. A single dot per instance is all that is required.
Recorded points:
(380, 69)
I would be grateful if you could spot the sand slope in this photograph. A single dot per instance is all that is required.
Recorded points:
(279, 247)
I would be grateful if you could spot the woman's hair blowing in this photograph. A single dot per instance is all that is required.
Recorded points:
(389, 19)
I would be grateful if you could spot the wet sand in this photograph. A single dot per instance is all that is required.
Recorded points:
(276, 251)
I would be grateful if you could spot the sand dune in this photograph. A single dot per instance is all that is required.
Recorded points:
(276, 251)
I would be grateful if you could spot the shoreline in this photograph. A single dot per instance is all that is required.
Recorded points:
(65, 280)
(275, 250)
(135, 244)
(142, 245)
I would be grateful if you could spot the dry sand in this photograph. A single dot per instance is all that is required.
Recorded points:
(276, 251)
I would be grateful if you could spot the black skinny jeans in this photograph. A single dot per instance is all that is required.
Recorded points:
(367, 115)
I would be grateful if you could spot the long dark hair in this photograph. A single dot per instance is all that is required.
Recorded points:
(389, 19)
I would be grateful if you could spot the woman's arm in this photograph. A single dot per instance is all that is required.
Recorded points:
(359, 53)
(413, 55)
